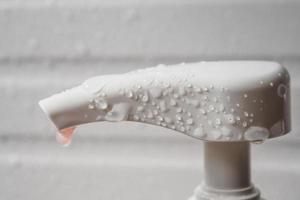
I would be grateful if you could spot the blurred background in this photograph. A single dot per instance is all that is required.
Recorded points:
(47, 46)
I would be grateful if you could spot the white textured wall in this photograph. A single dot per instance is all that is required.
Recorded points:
(48, 46)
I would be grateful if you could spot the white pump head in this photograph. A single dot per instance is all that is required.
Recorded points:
(213, 101)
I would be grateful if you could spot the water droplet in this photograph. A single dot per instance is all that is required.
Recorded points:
(163, 106)
(182, 129)
(189, 114)
(168, 120)
(244, 124)
(205, 89)
(179, 118)
(226, 131)
(282, 90)
(136, 117)
(245, 96)
(199, 132)
(165, 93)
(229, 119)
(100, 118)
(271, 84)
(246, 114)
(64, 136)
(159, 118)
(202, 111)
(261, 82)
(190, 121)
(171, 90)
(181, 91)
(218, 122)
(129, 94)
(166, 85)
(118, 113)
(143, 118)
(155, 112)
(149, 115)
(188, 128)
(91, 106)
(198, 90)
(258, 142)
(176, 96)
(145, 97)
(256, 133)
(173, 102)
(101, 104)
(194, 102)
(155, 92)
(179, 110)
(237, 105)
(140, 109)
(217, 134)
(211, 108)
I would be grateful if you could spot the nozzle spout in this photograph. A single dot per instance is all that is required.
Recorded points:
(68, 108)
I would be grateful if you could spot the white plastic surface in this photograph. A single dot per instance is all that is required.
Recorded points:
(226, 173)
(213, 101)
